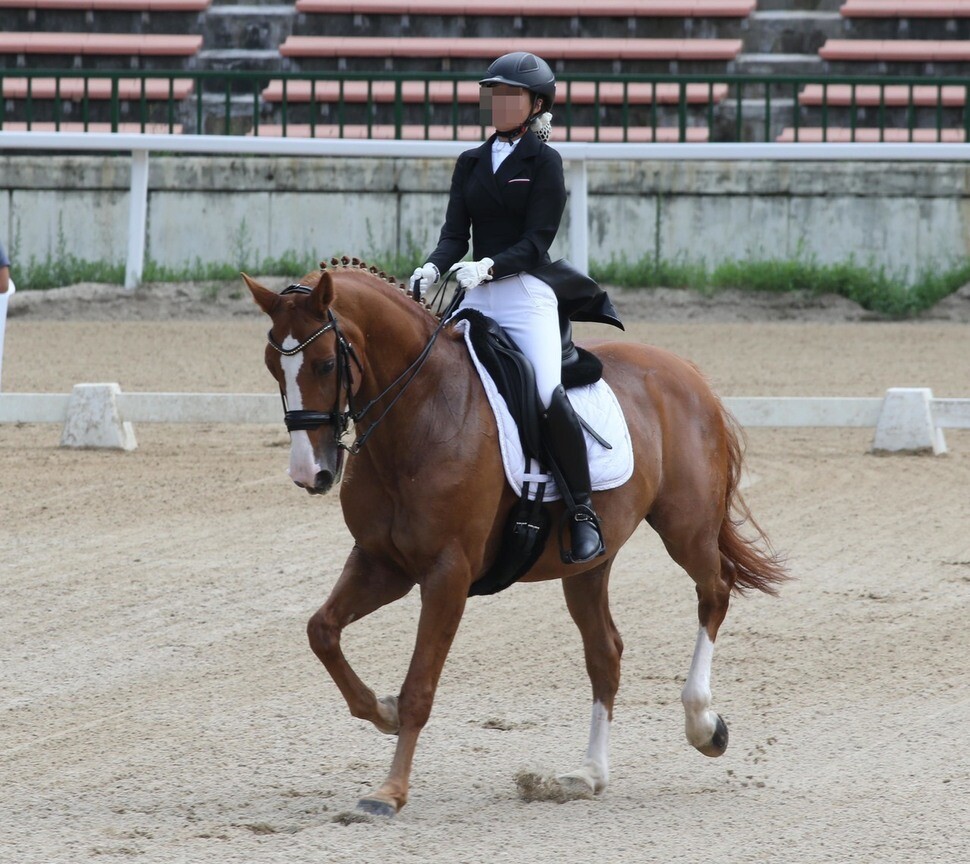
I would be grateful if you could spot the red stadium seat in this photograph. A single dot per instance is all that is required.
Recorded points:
(905, 9)
(893, 95)
(130, 44)
(467, 92)
(98, 88)
(617, 8)
(150, 128)
(897, 50)
(868, 135)
(550, 49)
(472, 133)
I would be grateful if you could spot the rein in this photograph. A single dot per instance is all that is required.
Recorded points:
(340, 420)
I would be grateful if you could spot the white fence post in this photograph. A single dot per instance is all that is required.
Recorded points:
(578, 216)
(137, 219)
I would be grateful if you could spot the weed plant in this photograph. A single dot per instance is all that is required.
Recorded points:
(871, 287)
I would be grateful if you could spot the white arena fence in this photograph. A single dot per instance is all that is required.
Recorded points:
(575, 156)
(905, 420)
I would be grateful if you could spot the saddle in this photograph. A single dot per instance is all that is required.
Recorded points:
(529, 522)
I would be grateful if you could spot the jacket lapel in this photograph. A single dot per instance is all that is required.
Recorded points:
(527, 148)
(483, 171)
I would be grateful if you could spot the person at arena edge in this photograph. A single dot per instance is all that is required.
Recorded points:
(6, 289)
(509, 194)
(5, 281)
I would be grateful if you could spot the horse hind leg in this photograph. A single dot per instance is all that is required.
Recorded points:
(698, 553)
(587, 599)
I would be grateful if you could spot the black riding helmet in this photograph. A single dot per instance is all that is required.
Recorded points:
(522, 69)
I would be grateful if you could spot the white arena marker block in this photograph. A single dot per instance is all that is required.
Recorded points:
(93, 419)
(906, 423)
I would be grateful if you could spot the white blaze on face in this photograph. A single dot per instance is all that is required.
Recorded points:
(303, 466)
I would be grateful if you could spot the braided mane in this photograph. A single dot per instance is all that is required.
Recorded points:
(345, 263)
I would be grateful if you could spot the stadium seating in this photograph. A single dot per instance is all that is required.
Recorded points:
(326, 38)
(416, 132)
(580, 93)
(558, 8)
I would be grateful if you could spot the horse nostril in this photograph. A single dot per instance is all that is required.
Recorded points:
(324, 479)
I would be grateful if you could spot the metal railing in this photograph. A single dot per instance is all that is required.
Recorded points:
(614, 108)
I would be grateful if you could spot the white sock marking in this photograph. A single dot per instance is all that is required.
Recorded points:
(598, 752)
(700, 720)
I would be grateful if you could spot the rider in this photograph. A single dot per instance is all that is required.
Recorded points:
(509, 193)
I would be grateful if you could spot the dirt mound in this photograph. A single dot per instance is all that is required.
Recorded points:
(165, 301)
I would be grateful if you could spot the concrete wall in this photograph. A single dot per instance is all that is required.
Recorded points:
(239, 210)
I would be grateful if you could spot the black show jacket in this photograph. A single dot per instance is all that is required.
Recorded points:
(512, 215)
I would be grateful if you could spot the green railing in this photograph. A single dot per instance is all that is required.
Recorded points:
(612, 107)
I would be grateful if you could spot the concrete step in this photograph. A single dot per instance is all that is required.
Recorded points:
(249, 27)
(778, 64)
(791, 32)
(228, 59)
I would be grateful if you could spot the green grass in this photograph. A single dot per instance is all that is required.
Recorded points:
(871, 287)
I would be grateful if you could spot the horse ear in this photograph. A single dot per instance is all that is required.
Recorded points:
(266, 300)
(322, 295)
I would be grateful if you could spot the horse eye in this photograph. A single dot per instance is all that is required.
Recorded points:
(322, 367)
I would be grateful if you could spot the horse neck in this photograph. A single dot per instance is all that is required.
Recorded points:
(391, 331)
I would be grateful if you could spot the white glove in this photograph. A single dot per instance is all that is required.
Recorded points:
(422, 279)
(472, 273)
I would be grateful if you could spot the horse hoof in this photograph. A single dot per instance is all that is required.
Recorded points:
(719, 740)
(575, 786)
(376, 807)
(389, 722)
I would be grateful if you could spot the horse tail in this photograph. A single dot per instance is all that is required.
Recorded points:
(755, 565)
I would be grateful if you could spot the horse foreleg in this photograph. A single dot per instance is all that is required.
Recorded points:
(363, 586)
(587, 599)
(442, 605)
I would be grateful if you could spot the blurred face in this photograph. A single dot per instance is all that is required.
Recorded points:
(504, 106)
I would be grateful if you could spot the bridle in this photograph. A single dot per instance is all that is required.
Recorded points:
(340, 420)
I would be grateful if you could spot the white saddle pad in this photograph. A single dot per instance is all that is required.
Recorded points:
(595, 403)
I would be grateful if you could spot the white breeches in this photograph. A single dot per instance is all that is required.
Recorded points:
(528, 310)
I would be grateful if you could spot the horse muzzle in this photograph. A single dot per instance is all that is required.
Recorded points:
(319, 476)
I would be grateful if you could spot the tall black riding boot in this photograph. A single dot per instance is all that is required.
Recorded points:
(566, 444)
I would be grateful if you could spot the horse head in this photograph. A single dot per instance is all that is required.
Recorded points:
(317, 372)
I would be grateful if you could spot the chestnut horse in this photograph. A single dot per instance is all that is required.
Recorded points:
(425, 496)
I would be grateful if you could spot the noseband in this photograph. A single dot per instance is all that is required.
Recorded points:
(340, 420)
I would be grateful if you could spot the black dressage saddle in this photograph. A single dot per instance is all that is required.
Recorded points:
(528, 525)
